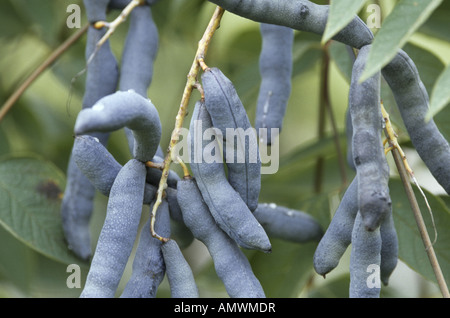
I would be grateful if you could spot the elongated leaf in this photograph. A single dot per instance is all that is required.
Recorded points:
(440, 96)
(406, 17)
(30, 197)
(341, 13)
(411, 248)
(438, 24)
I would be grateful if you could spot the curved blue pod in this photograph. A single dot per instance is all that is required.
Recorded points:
(365, 259)
(230, 263)
(139, 53)
(77, 204)
(124, 109)
(338, 235)
(226, 205)
(412, 100)
(148, 267)
(181, 279)
(287, 224)
(275, 67)
(100, 167)
(367, 145)
(302, 15)
(118, 233)
(240, 147)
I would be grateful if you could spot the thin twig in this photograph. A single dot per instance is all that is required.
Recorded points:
(41, 68)
(405, 173)
(325, 108)
(421, 224)
(190, 85)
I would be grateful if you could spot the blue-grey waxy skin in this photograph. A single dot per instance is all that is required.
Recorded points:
(287, 224)
(121, 4)
(412, 100)
(140, 48)
(389, 248)
(299, 15)
(226, 205)
(76, 209)
(100, 167)
(148, 267)
(179, 273)
(365, 261)
(231, 264)
(118, 233)
(124, 109)
(349, 136)
(96, 10)
(241, 152)
(338, 235)
(180, 232)
(367, 145)
(275, 65)
(102, 75)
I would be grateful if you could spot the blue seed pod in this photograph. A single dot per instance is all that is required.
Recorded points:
(148, 267)
(121, 4)
(389, 248)
(76, 211)
(338, 235)
(240, 140)
(275, 65)
(412, 100)
(181, 279)
(77, 205)
(287, 224)
(302, 15)
(367, 145)
(100, 167)
(118, 233)
(95, 10)
(226, 205)
(139, 53)
(230, 263)
(365, 261)
(124, 109)
(102, 73)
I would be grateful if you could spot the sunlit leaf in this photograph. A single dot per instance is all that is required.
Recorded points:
(406, 17)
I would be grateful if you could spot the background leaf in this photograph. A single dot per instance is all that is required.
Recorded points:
(411, 247)
(440, 96)
(30, 197)
(399, 25)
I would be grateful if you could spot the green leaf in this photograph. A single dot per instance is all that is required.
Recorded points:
(285, 271)
(438, 24)
(341, 13)
(440, 96)
(343, 56)
(30, 199)
(406, 17)
(411, 248)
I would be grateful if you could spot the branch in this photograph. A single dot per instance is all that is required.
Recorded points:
(190, 85)
(41, 68)
(405, 172)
